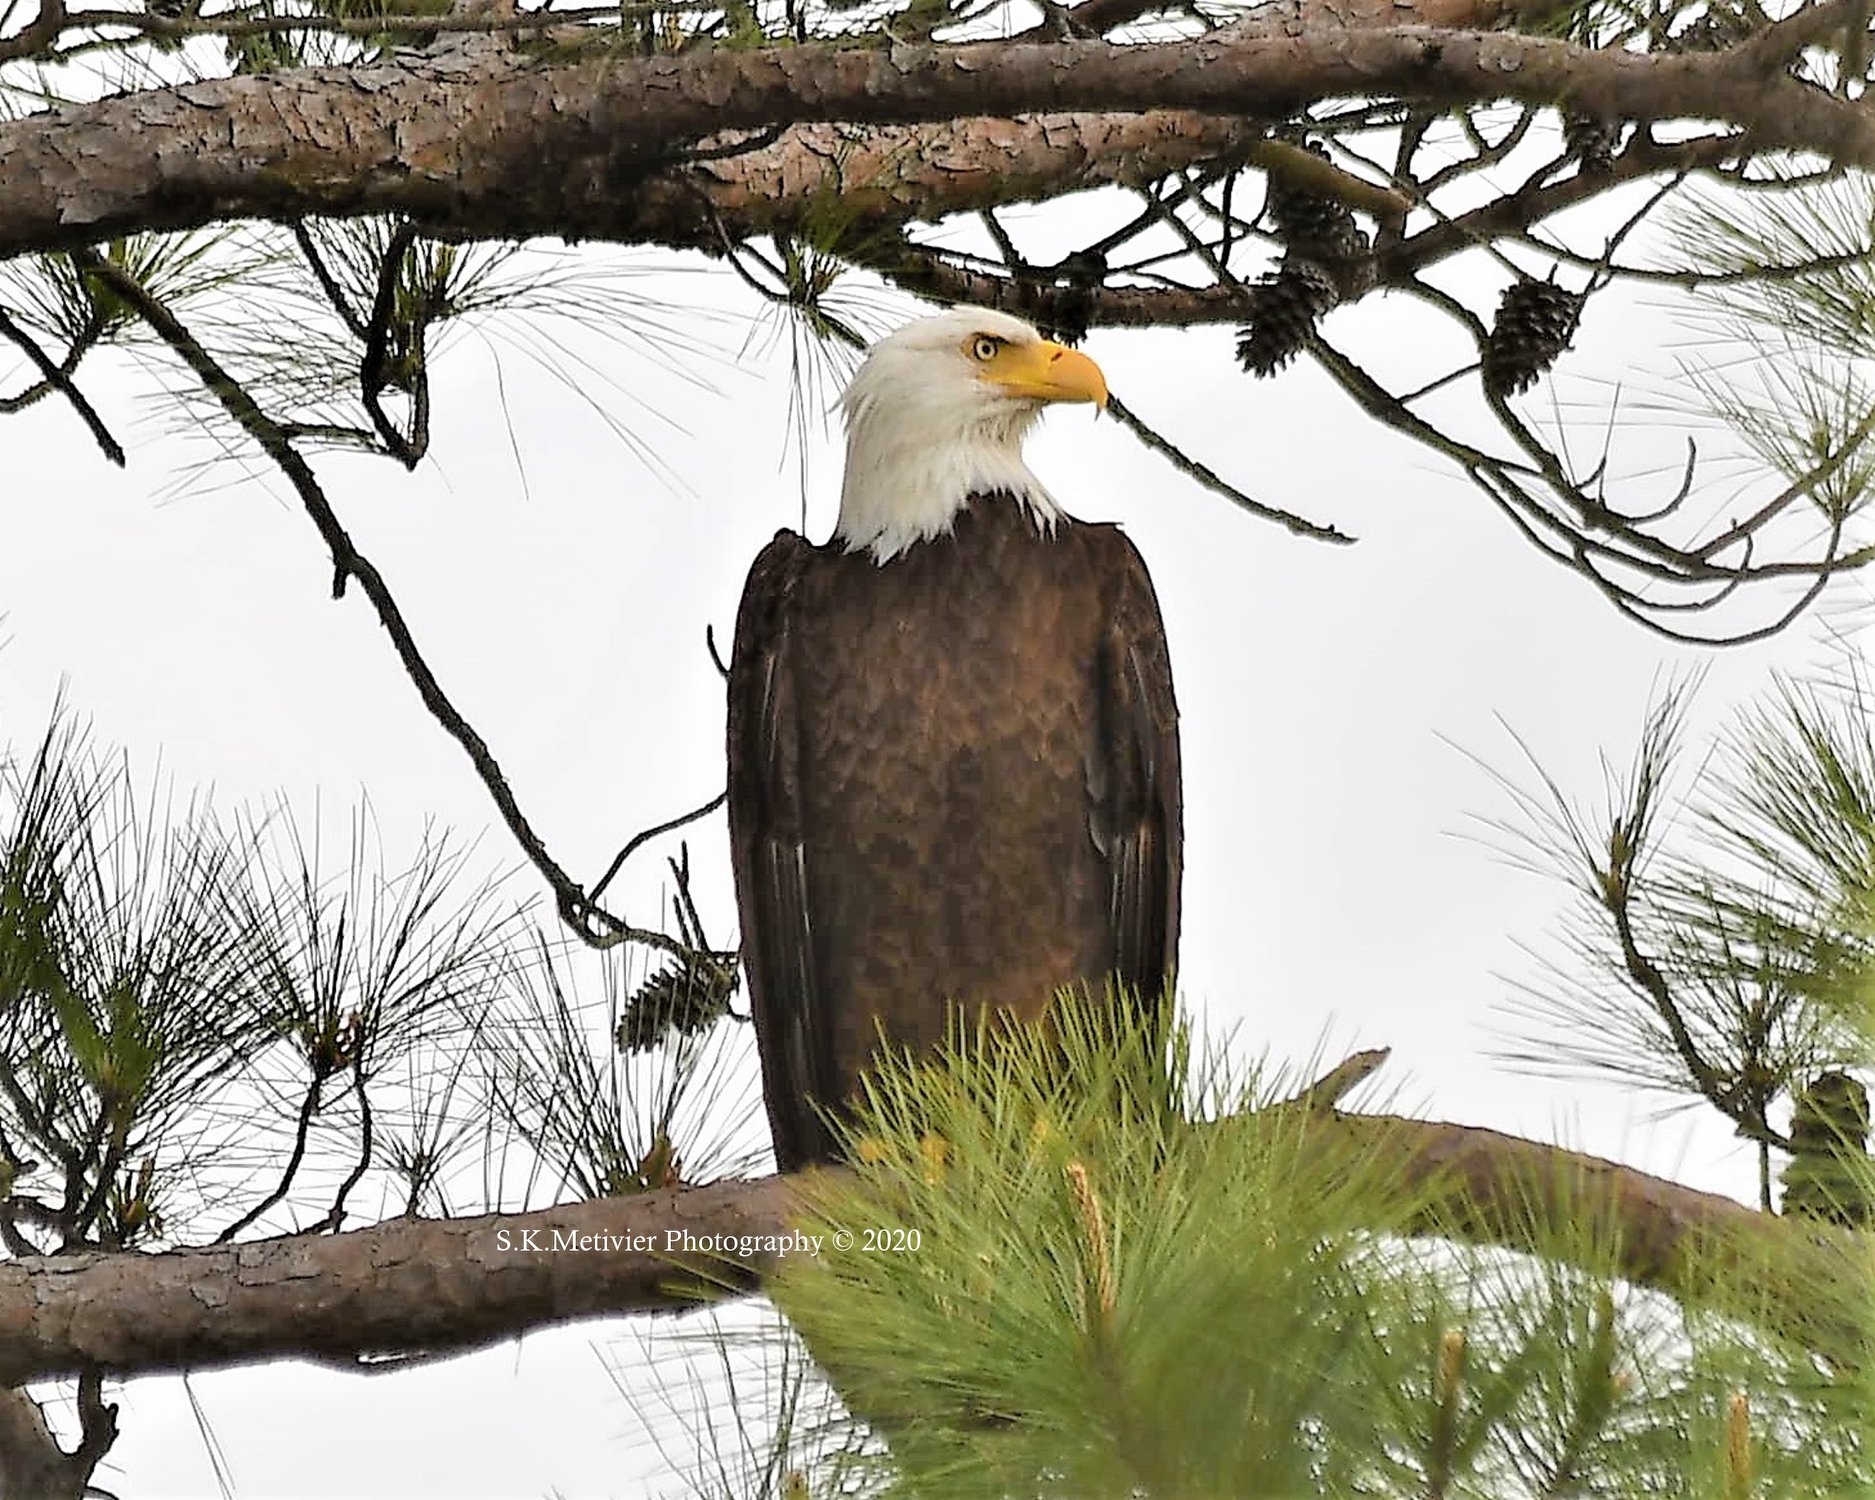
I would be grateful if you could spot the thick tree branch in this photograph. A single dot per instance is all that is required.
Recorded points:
(423, 1286)
(406, 1287)
(457, 141)
(926, 172)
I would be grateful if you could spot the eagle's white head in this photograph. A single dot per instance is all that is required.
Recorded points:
(937, 413)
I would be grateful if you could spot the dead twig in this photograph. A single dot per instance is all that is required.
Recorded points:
(591, 922)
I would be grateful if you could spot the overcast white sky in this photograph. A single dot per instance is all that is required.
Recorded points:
(1326, 895)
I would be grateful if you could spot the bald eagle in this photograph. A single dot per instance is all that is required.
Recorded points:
(953, 745)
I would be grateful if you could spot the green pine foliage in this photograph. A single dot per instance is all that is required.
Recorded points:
(1078, 1266)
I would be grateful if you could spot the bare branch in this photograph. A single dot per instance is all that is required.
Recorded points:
(1218, 485)
(644, 836)
(374, 372)
(58, 378)
(97, 1426)
(578, 910)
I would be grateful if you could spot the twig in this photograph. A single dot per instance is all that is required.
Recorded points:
(1012, 257)
(59, 379)
(593, 924)
(639, 839)
(309, 1106)
(97, 1427)
(372, 379)
(328, 283)
(335, 1217)
(1214, 482)
(1194, 242)
(1596, 534)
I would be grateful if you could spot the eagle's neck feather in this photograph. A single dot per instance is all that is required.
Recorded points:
(910, 470)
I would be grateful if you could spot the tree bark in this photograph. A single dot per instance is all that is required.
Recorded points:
(408, 1287)
(457, 138)
(822, 176)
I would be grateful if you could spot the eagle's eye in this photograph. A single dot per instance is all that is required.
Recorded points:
(983, 348)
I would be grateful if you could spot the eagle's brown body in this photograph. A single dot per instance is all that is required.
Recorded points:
(952, 776)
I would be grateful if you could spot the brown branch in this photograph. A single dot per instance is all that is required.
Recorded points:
(428, 1286)
(467, 21)
(458, 145)
(644, 836)
(895, 174)
(97, 1425)
(404, 1286)
(38, 34)
(1513, 213)
(1308, 172)
(1217, 484)
(929, 275)
(58, 377)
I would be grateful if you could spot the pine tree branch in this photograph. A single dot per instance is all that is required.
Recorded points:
(865, 177)
(430, 1286)
(456, 142)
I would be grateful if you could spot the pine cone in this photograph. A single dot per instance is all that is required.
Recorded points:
(685, 997)
(1311, 225)
(1591, 139)
(1284, 309)
(1829, 1176)
(1059, 299)
(1535, 322)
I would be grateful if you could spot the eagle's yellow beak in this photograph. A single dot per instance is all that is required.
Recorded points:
(1047, 371)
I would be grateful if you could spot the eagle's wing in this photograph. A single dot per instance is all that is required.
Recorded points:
(768, 848)
(1139, 718)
